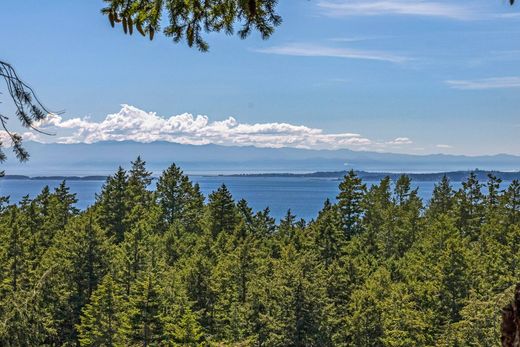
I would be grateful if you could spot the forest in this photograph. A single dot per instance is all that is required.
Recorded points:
(168, 267)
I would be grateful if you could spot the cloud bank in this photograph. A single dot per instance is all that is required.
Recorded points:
(133, 124)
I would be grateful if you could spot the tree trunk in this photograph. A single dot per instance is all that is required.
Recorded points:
(511, 322)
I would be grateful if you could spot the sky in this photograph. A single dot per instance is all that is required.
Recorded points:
(405, 76)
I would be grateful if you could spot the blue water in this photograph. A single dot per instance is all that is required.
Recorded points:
(304, 196)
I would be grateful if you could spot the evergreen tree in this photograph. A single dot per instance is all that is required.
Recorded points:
(194, 207)
(442, 198)
(352, 191)
(179, 199)
(329, 238)
(15, 252)
(455, 282)
(144, 309)
(131, 256)
(186, 331)
(493, 188)
(511, 202)
(403, 190)
(123, 273)
(222, 211)
(470, 206)
(246, 214)
(103, 322)
(264, 225)
(138, 180)
(113, 205)
(80, 255)
(138, 198)
(63, 204)
(180, 322)
(43, 201)
(170, 194)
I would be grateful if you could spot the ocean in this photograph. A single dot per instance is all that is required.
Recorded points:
(302, 195)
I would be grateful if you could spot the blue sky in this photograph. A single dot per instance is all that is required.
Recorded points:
(406, 76)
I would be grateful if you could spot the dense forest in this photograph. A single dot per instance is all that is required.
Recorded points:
(378, 267)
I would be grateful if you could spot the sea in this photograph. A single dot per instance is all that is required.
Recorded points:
(304, 196)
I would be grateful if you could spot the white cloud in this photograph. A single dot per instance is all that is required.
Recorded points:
(313, 50)
(443, 146)
(400, 141)
(5, 139)
(396, 7)
(485, 83)
(131, 123)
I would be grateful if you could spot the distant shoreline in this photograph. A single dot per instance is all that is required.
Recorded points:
(54, 178)
(455, 176)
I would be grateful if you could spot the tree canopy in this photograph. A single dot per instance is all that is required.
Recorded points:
(188, 20)
(377, 267)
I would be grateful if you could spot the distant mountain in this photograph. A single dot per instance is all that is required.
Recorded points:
(103, 158)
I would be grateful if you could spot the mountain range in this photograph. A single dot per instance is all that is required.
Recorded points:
(102, 158)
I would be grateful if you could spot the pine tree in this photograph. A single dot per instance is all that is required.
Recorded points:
(63, 205)
(138, 180)
(402, 190)
(187, 331)
(222, 210)
(197, 273)
(194, 206)
(114, 206)
(352, 191)
(405, 225)
(131, 255)
(378, 206)
(230, 281)
(15, 252)
(31, 223)
(364, 324)
(493, 188)
(103, 322)
(181, 326)
(87, 253)
(246, 214)
(144, 309)
(170, 194)
(329, 237)
(455, 279)
(286, 228)
(43, 201)
(47, 224)
(79, 257)
(511, 202)
(179, 199)
(442, 198)
(138, 198)
(470, 206)
(264, 224)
